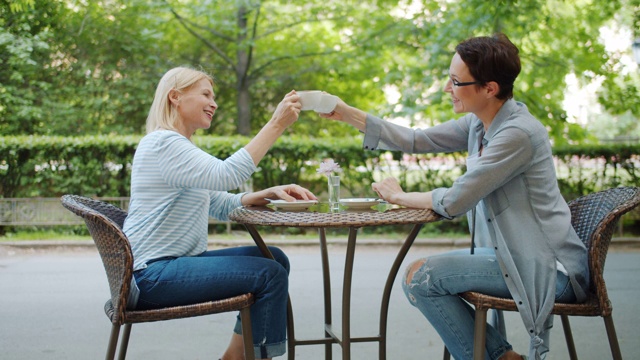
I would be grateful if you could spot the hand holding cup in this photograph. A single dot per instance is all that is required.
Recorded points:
(318, 101)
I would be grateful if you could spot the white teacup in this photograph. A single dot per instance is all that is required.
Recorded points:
(309, 99)
(317, 100)
(327, 103)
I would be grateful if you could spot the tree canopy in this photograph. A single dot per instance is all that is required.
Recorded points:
(81, 67)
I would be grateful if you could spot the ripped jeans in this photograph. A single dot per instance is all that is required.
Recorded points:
(222, 273)
(433, 290)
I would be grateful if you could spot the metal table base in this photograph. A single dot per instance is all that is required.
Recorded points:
(331, 337)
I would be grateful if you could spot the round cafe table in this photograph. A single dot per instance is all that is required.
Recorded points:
(251, 217)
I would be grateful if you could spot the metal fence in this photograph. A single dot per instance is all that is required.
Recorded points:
(50, 212)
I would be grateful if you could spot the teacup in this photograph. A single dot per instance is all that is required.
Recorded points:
(327, 103)
(317, 100)
(309, 99)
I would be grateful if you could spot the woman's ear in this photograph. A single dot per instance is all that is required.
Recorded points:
(174, 97)
(492, 89)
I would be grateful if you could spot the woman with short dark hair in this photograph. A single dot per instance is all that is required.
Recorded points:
(528, 249)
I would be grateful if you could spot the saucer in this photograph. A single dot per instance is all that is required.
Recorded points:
(359, 203)
(298, 205)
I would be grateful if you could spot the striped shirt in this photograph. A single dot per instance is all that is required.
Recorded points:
(175, 187)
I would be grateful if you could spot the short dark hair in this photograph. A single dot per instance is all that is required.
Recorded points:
(492, 58)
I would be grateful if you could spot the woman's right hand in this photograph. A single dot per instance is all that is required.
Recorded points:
(288, 110)
(349, 114)
(286, 114)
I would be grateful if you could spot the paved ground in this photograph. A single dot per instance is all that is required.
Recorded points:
(51, 308)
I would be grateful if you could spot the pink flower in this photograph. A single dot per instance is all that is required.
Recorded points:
(329, 166)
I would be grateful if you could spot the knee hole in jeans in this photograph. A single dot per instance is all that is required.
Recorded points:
(412, 269)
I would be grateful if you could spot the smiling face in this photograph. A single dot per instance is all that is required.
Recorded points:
(195, 107)
(464, 98)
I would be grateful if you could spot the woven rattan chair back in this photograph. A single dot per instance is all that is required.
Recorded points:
(105, 222)
(595, 218)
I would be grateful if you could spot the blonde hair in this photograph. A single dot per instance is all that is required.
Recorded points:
(162, 114)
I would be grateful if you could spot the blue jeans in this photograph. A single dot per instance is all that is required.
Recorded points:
(434, 287)
(219, 274)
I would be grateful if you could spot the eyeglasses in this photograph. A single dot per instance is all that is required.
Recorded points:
(459, 84)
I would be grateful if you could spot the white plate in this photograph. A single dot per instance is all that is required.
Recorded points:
(359, 203)
(298, 205)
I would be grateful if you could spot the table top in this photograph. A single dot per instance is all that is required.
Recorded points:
(262, 215)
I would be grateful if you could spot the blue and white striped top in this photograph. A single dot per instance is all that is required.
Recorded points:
(175, 187)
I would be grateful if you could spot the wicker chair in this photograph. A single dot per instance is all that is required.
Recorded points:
(105, 223)
(594, 217)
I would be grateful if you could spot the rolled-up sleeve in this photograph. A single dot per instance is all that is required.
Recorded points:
(438, 202)
(372, 133)
(221, 203)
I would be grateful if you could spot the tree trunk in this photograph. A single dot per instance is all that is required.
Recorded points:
(242, 82)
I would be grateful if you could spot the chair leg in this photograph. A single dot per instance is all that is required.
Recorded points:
(247, 336)
(571, 346)
(113, 342)
(446, 355)
(613, 338)
(480, 334)
(124, 344)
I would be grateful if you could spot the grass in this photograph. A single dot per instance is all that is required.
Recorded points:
(41, 235)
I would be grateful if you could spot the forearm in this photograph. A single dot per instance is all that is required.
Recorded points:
(355, 117)
(262, 142)
(257, 198)
(416, 200)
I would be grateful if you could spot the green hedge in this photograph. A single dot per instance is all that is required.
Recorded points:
(40, 166)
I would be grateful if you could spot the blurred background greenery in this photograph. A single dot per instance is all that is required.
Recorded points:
(77, 67)
(77, 78)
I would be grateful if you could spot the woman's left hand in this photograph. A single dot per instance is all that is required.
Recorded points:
(388, 189)
(291, 192)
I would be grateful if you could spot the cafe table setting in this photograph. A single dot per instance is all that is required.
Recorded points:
(349, 213)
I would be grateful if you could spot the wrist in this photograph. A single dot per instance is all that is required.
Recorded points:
(356, 118)
(275, 125)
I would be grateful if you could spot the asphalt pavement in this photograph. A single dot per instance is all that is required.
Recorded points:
(51, 307)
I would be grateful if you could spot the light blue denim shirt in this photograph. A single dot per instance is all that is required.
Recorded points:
(528, 221)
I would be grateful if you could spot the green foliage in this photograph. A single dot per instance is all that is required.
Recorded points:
(21, 5)
(89, 69)
(587, 168)
(83, 68)
(42, 166)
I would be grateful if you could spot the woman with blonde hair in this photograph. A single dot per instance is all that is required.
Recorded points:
(176, 187)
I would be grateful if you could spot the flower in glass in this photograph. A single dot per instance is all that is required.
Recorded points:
(331, 169)
(328, 167)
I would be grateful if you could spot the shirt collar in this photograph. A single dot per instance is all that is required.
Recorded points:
(509, 107)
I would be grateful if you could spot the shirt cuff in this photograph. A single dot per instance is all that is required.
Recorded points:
(372, 132)
(437, 198)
